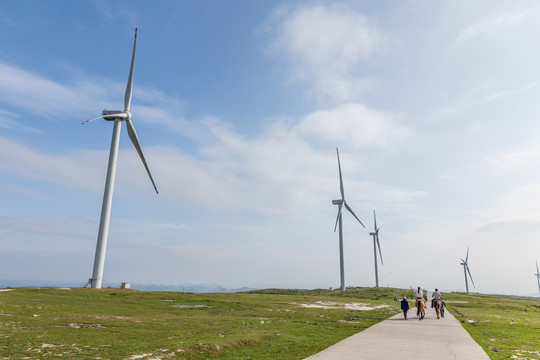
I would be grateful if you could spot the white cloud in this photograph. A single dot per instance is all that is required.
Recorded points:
(78, 170)
(516, 160)
(286, 167)
(487, 28)
(355, 126)
(482, 94)
(36, 225)
(52, 99)
(324, 46)
(278, 169)
(509, 92)
(512, 225)
(9, 120)
(81, 96)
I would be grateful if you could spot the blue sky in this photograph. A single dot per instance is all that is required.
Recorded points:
(239, 106)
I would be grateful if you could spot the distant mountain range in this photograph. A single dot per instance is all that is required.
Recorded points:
(188, 287)
(193, 288)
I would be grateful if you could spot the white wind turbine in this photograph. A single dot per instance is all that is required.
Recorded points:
(375, 245)
(466, 270)
(117, 116)
(537, 275)
(341, 202)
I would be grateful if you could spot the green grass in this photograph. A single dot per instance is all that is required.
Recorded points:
(47, 323)
(52, 323)
(504, 326)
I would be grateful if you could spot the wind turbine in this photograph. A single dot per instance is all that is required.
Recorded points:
(117, 116)
(537, 275)
(466, 270)
(341, 202)
(376, 239)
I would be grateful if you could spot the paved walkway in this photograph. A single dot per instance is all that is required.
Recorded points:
(397, 338)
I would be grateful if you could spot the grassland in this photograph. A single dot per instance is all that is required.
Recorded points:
(46, 323)
(506, 327)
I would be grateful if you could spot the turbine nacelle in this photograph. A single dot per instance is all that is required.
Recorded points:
(111, 115)
(337, 202)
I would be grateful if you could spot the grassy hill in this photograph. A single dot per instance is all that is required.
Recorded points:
(507, 327)
(46, 323)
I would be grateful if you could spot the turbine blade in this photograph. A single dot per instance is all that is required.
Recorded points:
(338, 215)
(375, 221)
(129, 87)
(537, 271)
(352, 212)
(379, 246)
(87, 121)
(470, 276)
(135, 140)
(340, 177)
(467, 257)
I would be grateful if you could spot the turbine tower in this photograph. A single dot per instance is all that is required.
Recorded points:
(341, 202)
(466, 270)
(537, 275)
(375, 245)
(117, 116)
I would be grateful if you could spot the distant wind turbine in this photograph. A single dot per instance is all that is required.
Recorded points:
(466, 270)
(375, 245)
(341, 202)
(537, 275)
(117, 116)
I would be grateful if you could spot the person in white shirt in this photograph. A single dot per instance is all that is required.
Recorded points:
(419, 293)
(419, 297)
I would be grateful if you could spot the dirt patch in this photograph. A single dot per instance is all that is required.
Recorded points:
(346, 306)
(134, 357)
(150, 356)
(7, 289)
(525, 353)
(83, 325)
(189, 306)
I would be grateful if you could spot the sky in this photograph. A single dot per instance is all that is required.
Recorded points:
(239, 107)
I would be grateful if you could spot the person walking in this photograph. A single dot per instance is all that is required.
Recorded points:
(405, 306)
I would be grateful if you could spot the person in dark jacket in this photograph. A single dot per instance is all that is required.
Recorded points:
(405, 306)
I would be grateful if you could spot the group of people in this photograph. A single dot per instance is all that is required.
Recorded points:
(420, 296)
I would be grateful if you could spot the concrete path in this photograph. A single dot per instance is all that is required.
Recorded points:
(397, 338)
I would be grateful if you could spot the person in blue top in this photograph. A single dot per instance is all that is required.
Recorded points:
(405, 306)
